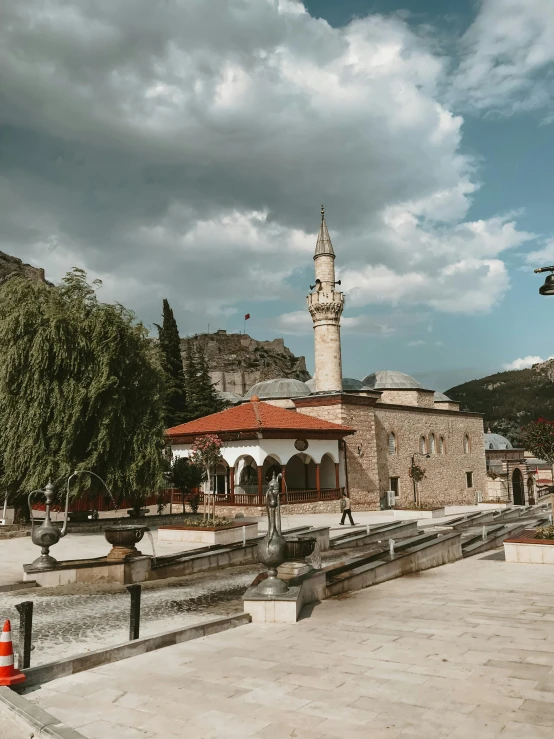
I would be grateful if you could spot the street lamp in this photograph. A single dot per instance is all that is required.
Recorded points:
(548, 287)
(414, 455)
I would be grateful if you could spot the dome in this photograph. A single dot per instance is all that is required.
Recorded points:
(283, 387)
(442, 398)
(349, 384)
(232, 398)
(391, 380)
(495, 441)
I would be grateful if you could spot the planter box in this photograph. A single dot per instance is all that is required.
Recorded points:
(529, 551)
(231, 534)
(487, 504)
(407, 513)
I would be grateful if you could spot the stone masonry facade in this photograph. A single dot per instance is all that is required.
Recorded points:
(451, 478)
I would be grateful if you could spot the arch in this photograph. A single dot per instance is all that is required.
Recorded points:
(246, 474)
(272, 465)
(422, 445)
(467, 444)
(517, 487)
(300, 472)
(442, 445)
(327, 473)
(392, 443)
(432, 444)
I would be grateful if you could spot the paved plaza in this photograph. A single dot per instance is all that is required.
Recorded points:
(463, 650)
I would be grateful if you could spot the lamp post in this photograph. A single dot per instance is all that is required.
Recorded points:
(414, 455)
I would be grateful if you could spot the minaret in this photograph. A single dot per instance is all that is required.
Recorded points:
(325, 305)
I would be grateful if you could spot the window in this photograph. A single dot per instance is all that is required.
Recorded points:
(432, 448)
(469, 479)
(392, 443)
(442, 447)
(422, 445)
(466, 444)
(393, 485)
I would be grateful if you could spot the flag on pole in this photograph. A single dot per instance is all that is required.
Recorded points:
(247, 316)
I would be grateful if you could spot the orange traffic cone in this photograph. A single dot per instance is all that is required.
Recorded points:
(8, 674)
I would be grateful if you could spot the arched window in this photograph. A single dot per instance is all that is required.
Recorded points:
(422, 445)
(432, 448)
(442, 447)
(392, 443)
(467, 445)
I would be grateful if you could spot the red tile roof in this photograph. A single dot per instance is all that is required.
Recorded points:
(256, 416)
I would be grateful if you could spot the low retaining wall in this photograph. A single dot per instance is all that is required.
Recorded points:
(529, 551)
(72, 665)
(29, 717)
(417, 558)
(409, 513)
(204, 535)
(381, 533)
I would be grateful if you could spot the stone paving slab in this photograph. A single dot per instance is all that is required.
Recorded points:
(464, 650)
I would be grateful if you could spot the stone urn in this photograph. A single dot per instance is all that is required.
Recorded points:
(123, 538)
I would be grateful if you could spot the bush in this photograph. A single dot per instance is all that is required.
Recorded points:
(545, 532)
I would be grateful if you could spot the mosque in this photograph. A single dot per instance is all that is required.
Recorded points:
(385, 439)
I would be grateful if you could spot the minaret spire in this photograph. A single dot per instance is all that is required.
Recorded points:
(324, 245)
(325, 305)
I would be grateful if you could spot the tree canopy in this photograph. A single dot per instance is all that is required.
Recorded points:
(539, 439)
(80, 387)
(175, 397)
(202, 396)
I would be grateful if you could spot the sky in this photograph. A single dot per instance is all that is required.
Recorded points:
(182, 149)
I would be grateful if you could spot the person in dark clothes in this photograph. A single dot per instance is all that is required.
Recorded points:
(346, 508)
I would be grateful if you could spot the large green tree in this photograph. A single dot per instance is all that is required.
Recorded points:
(202, 395)
(175, 397)
(80, 387)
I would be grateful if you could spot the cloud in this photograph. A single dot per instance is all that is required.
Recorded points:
(418, 342)
(523, 363)
(182, 150)
(507, 58)
(300, 323)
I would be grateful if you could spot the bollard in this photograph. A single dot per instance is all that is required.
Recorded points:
(25, 610)
(391, 547)
(134, 624)
(484, 534)
(244, 536)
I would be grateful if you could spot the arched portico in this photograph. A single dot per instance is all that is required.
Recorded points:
(517, 487)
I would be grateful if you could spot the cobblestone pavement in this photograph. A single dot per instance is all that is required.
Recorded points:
(75, 622)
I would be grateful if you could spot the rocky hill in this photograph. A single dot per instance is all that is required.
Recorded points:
(10, 266)
(509, 400)
(237, 361)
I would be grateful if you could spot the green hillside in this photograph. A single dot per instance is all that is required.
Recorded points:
(509, 400)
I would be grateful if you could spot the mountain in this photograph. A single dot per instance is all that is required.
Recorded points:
(11, 266)
(237, 361)
(510, 400)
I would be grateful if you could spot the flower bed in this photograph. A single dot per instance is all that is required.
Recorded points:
(533, 546)
(196, 533)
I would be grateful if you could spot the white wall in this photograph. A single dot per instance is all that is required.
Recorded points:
(259, 449)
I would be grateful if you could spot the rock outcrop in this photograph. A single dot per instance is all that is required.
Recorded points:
(11, 266)
(237, 361)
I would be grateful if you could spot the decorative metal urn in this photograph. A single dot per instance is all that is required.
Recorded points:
(46, 535)
(123, 539)
(272, 550)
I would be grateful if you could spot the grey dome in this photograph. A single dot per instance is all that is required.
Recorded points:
(283, 387)
(349, 384)
(441, 398)
(391, 380)
(232, 398)
(495, 441)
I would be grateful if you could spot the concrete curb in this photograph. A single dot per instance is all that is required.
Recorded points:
(29, 716)
(70, 666)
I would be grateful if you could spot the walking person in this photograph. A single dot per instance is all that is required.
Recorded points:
(346, 508)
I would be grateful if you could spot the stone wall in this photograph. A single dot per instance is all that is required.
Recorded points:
(445, 482)
(327, 506)
(420, 398)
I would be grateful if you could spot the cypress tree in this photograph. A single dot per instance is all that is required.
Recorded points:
(175, 399)
(202, 396)
(80, 387)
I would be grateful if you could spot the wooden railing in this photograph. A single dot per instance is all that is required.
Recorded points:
(290, 497)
